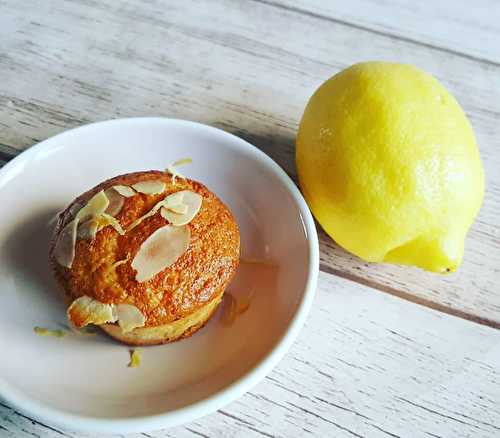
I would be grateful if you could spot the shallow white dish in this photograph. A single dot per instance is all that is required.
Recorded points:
(82, 382)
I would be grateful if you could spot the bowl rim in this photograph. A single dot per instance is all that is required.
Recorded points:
(58, 418)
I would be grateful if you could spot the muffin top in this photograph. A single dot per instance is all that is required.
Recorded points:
(140, 251)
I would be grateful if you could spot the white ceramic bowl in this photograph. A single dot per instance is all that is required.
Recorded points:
(83, 382)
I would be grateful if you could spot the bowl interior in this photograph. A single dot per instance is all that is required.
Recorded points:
(88, 375)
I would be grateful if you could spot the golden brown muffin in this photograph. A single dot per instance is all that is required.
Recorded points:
(176, 301)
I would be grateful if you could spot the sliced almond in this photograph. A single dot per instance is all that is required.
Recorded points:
(164, 212)
(193, 202)
(125, 191)
(115, 202)
(88, 229)
(174, 172)
(174, 199)
(180, 209)
(170, 201)
(160, 250)
(106, 220)
(94, 208)
(86, 310)
(64, 251)
(150, 187)
(129, 317)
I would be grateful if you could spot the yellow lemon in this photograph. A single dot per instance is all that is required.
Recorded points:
(388, 164)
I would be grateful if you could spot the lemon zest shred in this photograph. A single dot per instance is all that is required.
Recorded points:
(171, 168)
(42, 331)
(135, 358)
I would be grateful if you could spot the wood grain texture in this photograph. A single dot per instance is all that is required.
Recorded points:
(365, 365)
(452, 26)
(247, 67)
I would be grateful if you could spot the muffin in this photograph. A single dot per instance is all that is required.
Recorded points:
(145, 256)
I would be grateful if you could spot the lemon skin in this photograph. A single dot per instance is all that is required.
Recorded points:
(388, 163)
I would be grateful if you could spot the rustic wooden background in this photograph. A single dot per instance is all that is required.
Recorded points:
(370, 362)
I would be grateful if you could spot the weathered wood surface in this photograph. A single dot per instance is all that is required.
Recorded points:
(455, 26)
(367, 364)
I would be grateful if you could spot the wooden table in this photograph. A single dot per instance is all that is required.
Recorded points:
(387, 351)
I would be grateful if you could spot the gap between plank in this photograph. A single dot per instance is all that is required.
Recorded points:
(307, 13)
(409, 297)
(6, 155)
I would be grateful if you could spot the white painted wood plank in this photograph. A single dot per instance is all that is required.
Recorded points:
(247, 67)
(366, 364)
(460, 26)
